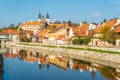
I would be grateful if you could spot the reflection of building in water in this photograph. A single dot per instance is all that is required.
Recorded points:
(13, 50)
(64, 63)
(60, 62)
(71, 63)
(1, 67)
(3, 49)
(7, 55)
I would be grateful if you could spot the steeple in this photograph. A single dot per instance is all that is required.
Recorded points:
(39, 16)
(47, 16)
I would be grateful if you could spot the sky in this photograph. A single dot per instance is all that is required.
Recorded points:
(18, 11)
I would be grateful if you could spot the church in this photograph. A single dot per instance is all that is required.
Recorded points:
(36, 26)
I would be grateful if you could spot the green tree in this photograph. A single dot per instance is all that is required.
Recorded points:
(69, 23)
(108, 35)
(81, 41)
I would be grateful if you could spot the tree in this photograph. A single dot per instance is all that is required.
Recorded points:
(108, 35)
(69, 23)
(81, 41)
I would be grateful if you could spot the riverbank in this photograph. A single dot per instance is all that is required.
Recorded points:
(112, 60)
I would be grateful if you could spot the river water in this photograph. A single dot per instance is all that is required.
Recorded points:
(19, 64)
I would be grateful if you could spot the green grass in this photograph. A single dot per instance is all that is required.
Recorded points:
(94, 50)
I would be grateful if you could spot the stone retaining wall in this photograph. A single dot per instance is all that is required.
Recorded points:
(107, 59)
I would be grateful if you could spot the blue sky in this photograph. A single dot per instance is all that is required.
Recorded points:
(16, 11)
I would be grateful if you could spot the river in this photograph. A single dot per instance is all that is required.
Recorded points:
(18, 64)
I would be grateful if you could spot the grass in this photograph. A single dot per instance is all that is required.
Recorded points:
(88, 49)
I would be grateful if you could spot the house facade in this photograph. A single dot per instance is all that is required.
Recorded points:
(111, 24)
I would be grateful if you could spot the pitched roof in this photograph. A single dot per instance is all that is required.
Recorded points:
(109, 23)
(80, 30)
(60, 37)
(10, 31)
(29, 32)
(42, 33)
(117, 29)
(30, 23)
(56, 29)
(58, 25)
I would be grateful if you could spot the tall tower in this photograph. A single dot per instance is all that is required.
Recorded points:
(39, 17)
(47, 18)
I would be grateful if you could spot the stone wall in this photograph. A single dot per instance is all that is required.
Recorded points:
(107, 59)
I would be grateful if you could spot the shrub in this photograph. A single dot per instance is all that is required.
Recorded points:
(81, 41)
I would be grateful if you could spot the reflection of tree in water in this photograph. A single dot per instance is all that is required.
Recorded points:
(22, 54)
(108, 73)
(47, 66)
(41, 66)
(93, 75)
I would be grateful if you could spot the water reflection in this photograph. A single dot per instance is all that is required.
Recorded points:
(44, 61)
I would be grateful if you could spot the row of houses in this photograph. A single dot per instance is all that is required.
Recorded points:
(61, 33)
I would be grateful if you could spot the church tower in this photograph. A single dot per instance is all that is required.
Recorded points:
(39, 17)
(47, 18)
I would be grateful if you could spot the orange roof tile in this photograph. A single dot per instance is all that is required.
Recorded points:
(42, 33)
(117, 29)
(30, 23)
(29, 32)
(80, 30)
(58, 25)
(109, 23)
(10, 31)
(60, 37)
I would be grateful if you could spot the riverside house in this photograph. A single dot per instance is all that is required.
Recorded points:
(42, 36)
(55, 33)
(11, 34)
(96, 41)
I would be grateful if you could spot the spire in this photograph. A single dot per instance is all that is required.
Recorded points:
(43, 16)
(39, 16)
(47, 16)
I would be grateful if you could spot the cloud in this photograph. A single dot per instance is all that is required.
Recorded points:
(96, 14)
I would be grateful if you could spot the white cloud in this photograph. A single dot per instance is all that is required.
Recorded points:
(96, 14)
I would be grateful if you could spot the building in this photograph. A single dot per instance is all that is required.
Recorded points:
(35, 26)
(54, 33)
(9, 35)
(42, 36)
(111, 24)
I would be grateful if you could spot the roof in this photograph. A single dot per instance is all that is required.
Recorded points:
(56, 29)
(10, 31)
(60, 37)
(58, 25)
(80, 30)
(42, 33)
(109, 23)
(30, 32)
(117, 29)
(30, 23)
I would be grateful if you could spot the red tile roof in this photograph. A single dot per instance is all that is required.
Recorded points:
(30, 23)
(10, 31)
(42, 33)
(117, 29)
(60, 37)
(80, 30)
(109, 23)
(29, 32)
